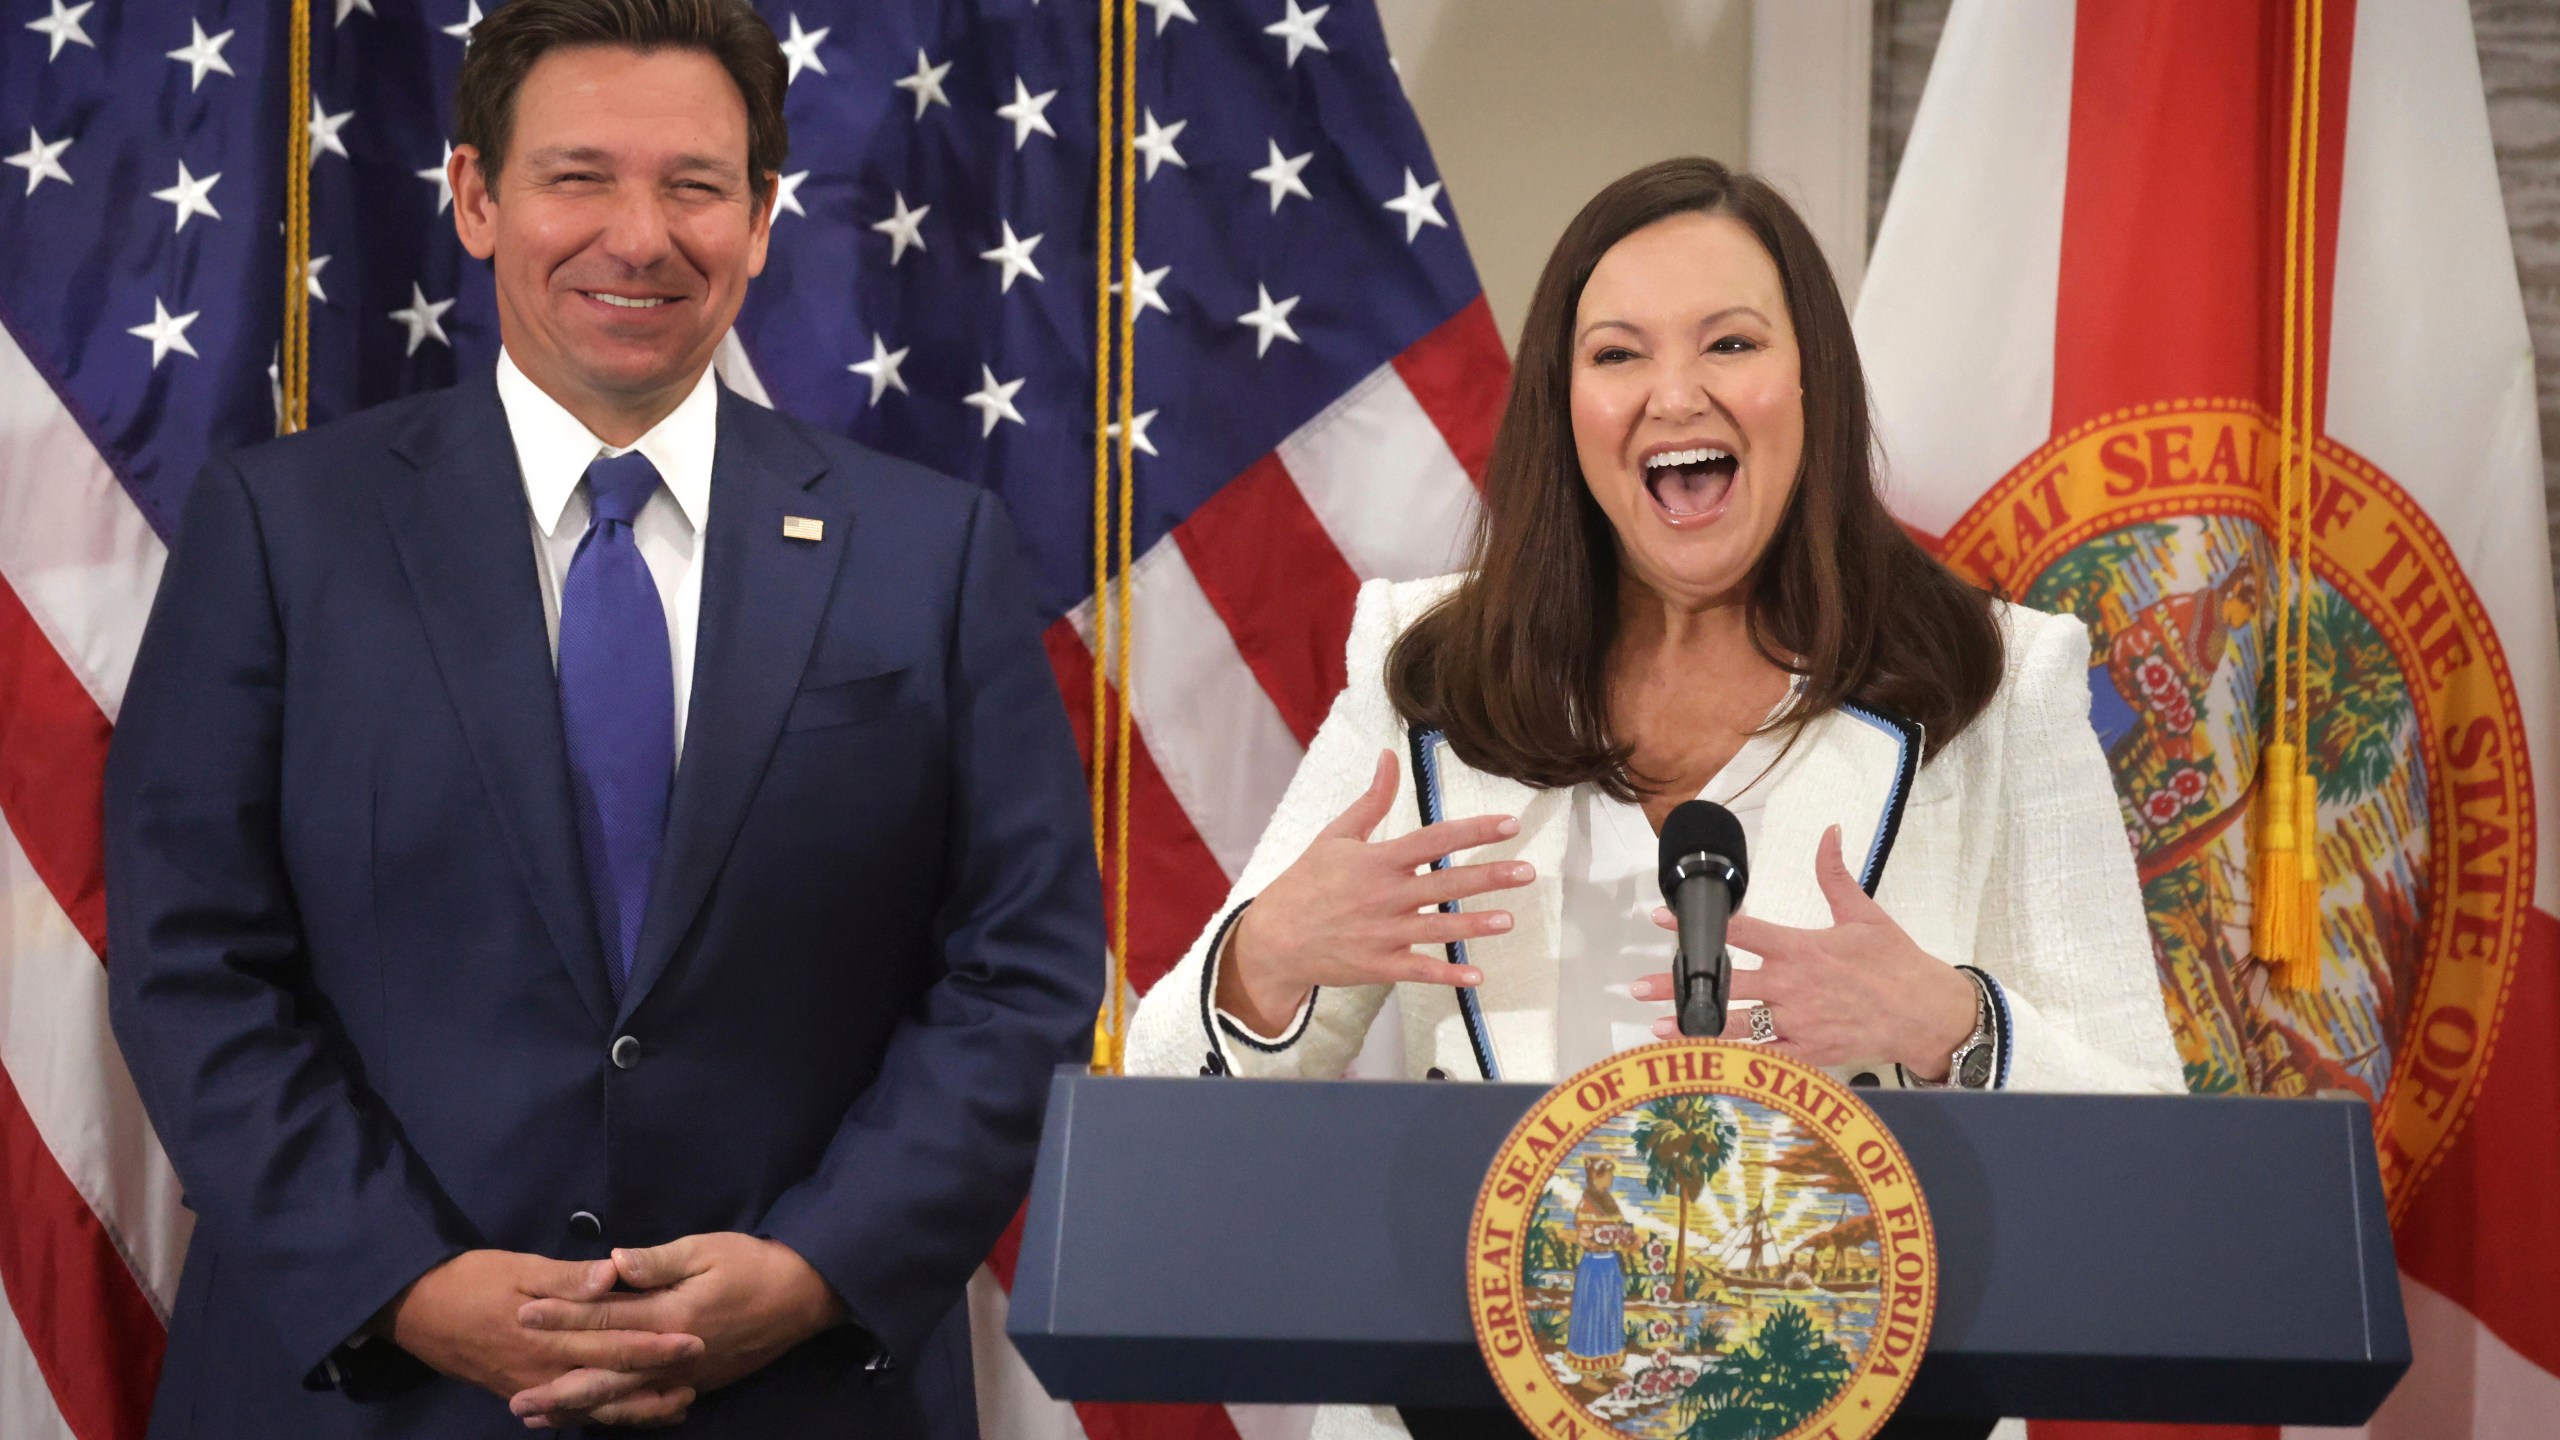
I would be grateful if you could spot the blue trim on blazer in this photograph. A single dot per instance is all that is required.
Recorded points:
(1426, 794)
(1911, 738)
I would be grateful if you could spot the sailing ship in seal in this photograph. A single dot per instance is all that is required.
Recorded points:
(1840, 1256)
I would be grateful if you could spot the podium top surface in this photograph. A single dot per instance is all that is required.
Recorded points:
(2230, 1258)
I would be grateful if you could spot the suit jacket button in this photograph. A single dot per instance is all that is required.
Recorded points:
(585, 1226)
(626, 1052)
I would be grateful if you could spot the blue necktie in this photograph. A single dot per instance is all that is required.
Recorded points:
(617, 705)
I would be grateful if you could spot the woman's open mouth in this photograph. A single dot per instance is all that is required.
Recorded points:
(1690, 483)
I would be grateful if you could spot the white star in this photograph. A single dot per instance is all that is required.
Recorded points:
(904, 228)
(1138, 440)
(802, 49)
(1150, 293)
(425, 319)
(1168, 11)
(64, 26)
(204, 54)
(42, 160)
(1025, 114)
(470, 18)
(994, 401)
(167, 332)
(786, 195)
(1268, 319)
(1015, 256)
(1282, 176)
(1299, 29)
(1156, 143)
(324, 128)
(349, 7)
(926, 83)
(190, 196)
(311, 278)
(441, 177)
(1419, 205)
(881, 369)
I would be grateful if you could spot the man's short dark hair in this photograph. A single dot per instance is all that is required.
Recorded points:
(505, 46)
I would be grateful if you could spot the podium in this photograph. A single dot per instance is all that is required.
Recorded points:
(2101, 1257)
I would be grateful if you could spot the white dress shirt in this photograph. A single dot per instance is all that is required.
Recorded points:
(553, 450)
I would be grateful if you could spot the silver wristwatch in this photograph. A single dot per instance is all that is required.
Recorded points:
(1975, 1062)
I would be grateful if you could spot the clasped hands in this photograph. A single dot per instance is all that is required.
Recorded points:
(564, 1346)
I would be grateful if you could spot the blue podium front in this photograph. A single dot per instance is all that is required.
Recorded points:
(2102, 1257)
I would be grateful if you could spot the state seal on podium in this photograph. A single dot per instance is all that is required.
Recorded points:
(1699, 1240)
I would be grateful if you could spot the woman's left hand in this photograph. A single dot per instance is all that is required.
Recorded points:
(1859, 991)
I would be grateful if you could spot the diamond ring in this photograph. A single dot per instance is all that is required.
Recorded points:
(1764, 1027)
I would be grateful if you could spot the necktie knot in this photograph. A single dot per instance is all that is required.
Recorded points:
(619, 486)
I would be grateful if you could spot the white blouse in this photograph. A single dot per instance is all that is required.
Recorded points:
(1612, 883)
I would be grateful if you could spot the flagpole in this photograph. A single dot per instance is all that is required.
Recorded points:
(1123, 653)
(1115, 243)
(293, 350)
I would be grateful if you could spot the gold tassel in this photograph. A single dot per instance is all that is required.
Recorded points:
(2275, 926)
(2301, 970)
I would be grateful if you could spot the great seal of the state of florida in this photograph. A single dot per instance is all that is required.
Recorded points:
(1697, 1240)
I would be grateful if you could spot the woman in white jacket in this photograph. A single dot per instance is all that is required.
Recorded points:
(1686, 585)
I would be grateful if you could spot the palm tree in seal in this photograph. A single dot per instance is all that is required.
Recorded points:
(1684, 1140)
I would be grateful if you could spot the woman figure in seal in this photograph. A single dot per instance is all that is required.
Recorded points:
(1596, 1333)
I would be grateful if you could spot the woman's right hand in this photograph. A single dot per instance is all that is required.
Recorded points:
(1350, 911)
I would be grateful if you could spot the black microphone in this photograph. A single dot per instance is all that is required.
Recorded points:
(1703, 877)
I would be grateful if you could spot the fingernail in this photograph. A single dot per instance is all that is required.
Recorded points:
(1662, 1028)
(1498, 920)
(1510, 826)
(1641, 989)
(1524, 872)
(1661, 913)
(1470, 977)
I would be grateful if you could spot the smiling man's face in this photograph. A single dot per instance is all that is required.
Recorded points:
(622, 227)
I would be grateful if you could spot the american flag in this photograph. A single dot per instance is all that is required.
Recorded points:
(1317, 379)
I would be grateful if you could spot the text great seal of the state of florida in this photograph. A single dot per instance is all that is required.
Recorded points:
(1699, 1240)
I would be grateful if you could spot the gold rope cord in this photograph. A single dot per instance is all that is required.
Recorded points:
(1115, 243)
(293, 350)
(1103, 210)
(2306, 972)
(2285, 922)
(1123, 611)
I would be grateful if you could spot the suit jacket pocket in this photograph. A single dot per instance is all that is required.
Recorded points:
(846, 702)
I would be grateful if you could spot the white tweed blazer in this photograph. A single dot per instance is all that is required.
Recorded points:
(2010, 855)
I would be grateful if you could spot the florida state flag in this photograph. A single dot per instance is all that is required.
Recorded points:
(2198, 319)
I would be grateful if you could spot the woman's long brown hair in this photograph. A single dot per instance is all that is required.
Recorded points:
(1513, 666)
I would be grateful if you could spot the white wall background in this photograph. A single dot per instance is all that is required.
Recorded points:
(1533, 105)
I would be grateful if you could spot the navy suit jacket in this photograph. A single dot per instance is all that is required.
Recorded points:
(357, 976)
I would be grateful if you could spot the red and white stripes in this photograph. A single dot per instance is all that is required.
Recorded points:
(1241, 617)
(94, 1235)
(1243, 610)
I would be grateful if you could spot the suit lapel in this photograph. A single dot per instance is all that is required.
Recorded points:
(459, 523)
(1852, 768)
(1520, 968)
(763, 596)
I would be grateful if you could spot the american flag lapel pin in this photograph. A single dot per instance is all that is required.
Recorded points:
(801, 527)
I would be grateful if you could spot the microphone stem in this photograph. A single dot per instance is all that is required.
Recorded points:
(1702, 972)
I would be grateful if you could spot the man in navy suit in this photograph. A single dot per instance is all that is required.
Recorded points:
(598, 871)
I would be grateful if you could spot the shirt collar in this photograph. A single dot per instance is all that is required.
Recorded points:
(554, 448)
